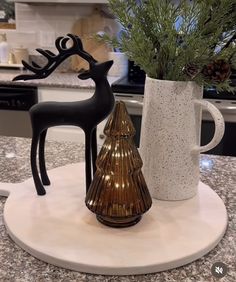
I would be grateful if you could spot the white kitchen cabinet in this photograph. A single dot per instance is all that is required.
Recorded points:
(68, 133)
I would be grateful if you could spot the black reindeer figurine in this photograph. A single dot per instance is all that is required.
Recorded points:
(86, 114)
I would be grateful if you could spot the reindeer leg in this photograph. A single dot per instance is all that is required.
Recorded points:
(38, 184)
(94, 149)
(88, 158)
(42, 166)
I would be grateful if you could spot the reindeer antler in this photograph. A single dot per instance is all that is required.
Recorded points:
(53, 60)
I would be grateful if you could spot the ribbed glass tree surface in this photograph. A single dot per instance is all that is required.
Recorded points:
(118, 194)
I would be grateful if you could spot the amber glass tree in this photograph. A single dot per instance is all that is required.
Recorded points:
(118, 194)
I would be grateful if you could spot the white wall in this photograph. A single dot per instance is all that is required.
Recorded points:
(39, 25)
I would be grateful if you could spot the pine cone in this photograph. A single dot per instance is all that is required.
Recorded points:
(217, 71)
(191, 70)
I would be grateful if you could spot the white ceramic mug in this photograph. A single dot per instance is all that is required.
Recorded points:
(120, 65)
(170, 137)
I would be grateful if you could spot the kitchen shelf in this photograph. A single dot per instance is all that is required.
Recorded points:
(4, 25)
(11, 66)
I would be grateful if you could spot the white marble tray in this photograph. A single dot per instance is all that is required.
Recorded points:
(59, 229)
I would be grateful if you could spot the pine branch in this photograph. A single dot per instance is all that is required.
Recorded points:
(151, 38)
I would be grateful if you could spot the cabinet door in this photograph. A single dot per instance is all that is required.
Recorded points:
(64, 133)
(63, 94)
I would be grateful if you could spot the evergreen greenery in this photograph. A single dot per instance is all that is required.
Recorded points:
(8, 8)
(177, 41)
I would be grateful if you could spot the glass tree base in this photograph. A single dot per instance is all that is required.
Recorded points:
(119, 222)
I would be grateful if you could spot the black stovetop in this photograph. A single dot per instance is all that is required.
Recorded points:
(125, 86)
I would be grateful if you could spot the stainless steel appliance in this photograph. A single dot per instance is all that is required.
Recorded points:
(15, 102)
(132, 93)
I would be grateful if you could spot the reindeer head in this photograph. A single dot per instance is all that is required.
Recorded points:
(96, 71)
(53, 60)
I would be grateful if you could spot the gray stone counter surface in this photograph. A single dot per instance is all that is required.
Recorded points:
(67, 79)
(17, 265)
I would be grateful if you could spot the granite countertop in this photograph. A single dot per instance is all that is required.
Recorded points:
(56, 79)
(17, 265)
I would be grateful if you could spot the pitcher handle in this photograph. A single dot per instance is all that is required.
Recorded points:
(219, 126)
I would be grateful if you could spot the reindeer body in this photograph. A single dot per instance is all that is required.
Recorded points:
(85, 114)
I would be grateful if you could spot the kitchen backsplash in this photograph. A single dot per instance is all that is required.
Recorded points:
(41, 61)
(39, 25)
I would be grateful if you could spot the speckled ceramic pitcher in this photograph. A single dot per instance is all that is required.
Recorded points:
(170, 137)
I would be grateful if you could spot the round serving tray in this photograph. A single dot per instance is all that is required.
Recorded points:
(58, 228)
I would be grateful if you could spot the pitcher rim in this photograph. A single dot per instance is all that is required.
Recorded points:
(173, 81)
